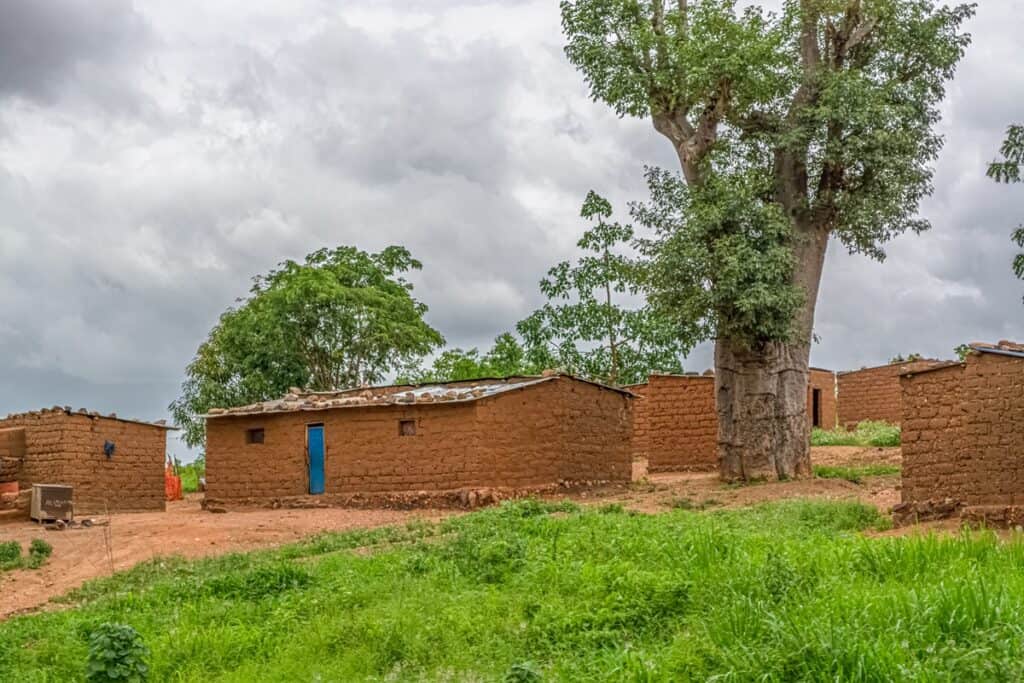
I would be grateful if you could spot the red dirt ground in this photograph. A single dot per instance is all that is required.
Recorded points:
(185, 529)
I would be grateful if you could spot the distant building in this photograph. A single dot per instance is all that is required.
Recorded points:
(113, 463)
(437, 443)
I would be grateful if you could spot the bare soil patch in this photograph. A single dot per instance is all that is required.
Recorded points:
(184, 529)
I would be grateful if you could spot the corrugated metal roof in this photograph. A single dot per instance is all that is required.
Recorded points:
(1003, 348)
(449, 392)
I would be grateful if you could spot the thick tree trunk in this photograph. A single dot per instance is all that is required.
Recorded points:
(761, 397)
(761, 393)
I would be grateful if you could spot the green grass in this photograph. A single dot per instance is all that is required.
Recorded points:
(780, 592)
(867, 433)
(855, 474)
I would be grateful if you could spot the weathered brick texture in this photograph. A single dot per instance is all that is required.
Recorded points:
(874, 393)
(963, 432)
(67, 448)
(675, 425)
(533, 437)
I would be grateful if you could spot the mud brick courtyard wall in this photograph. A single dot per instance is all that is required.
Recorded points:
(875, 393)
(528, 438)
(963, 432)
(57, 446)
(675, 423)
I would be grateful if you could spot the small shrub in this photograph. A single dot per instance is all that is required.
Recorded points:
(10, 554)
(38, 552)
(117, 654)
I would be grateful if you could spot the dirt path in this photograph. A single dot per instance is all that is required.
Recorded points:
(185, 529)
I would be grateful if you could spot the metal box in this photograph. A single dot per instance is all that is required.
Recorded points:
(52, 501)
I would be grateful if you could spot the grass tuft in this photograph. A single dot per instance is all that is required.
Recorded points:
(855, 474)
(867, 434)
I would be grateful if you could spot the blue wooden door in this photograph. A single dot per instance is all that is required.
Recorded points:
(315, 448)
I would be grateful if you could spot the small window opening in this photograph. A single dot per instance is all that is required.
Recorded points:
(407, 427)
(816, 407)
(254, 435)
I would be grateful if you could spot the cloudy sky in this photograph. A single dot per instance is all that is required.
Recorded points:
(154, 156)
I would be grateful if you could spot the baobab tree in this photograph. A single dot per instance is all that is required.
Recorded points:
(817, 121)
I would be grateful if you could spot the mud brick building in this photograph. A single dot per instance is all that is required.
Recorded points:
(963, 429)
(875, 393)
(113, 463)
(434, 444)
(675, 424)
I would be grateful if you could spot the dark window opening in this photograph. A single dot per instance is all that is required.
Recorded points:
(407, 427)
(816, 407)
(254, 435)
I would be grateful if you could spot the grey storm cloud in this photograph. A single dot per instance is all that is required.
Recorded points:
(155, 156)
(48, 48)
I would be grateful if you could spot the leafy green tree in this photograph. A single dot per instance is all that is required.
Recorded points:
(342, 318)
(790, 128)
(506, 358)
(1008, 170)
(589, 329)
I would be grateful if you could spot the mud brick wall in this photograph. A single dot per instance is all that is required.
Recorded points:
(932, 436)
(63, 448)
(963, 432)
(531, 437)
(825, 382)
(875, 393)
(131, 480)
(676, 424)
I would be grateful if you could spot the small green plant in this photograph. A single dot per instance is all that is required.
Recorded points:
(523, 672)
(10, 555)
(117, 654)
(867, 434)
(38, 552)
(854, 474)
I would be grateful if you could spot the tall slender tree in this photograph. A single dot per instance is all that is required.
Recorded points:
(790, 128)
(1008, 170)
(596, 322)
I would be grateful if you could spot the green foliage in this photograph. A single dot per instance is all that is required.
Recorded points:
(789, 127)
(1008, 170)
(38, 552)
(506, 358)
(720, 260)
(962, 350)
(855, 474)
(10, 555)
(11, 558)
(867, 433)
(779, 592)
(191, 474)
(585, 328)
(117, 654)
(340, 319)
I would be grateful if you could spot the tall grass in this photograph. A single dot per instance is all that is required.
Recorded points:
(867, 433)
(780, 592)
